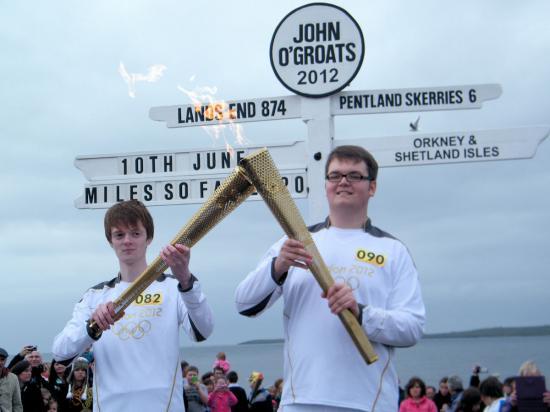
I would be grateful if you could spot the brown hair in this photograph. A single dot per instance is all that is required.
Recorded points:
(356, 153)
(415, 380)
(128, 213)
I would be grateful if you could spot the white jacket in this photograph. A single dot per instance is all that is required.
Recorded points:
(137, 363)
(321, 364)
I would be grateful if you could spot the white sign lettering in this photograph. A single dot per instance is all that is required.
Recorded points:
(466, 146)
(413, 100)
(232, 111)
(201, 161)
(173, 190)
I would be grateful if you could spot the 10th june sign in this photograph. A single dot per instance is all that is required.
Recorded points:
(317, 50)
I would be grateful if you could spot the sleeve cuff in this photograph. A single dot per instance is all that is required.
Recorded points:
(189, 285)
(360, 316)
(283, 276)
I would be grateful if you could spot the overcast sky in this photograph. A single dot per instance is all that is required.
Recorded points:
(479, 232)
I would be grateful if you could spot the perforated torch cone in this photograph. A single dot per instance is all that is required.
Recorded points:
(263, 173)
(231, 193)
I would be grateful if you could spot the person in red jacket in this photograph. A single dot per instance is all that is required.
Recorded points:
(221, 399)
(416, 397)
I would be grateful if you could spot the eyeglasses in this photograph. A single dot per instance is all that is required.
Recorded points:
(350, 177)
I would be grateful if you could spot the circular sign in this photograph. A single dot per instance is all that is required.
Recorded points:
(317, 50)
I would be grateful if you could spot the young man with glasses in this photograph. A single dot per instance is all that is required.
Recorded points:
(375, 278)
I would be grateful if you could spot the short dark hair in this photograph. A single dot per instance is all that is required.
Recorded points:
(207, 377)
(491, 387)
(470, 398)
(356, 153)
(508, 381)
(128, 213)
(232, 377)
(414, 381)
(192, 368)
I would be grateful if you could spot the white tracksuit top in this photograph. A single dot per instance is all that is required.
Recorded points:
(137, 365)
(321, 364)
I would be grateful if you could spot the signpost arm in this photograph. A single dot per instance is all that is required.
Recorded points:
(320, 133)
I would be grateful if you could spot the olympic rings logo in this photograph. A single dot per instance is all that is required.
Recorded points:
(132, 329)
(352, 281)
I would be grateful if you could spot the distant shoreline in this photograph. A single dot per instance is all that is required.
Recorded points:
(476, 333)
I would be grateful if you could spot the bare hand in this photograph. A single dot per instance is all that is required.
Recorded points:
(26, 350)
(341, 297)
(177, 258)
(104, 315)
(546, 398)
(293, 253)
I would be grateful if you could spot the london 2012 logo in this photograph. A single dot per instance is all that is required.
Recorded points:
(317, 50)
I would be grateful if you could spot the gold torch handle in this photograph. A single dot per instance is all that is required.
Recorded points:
(263, 173)
(230, 194)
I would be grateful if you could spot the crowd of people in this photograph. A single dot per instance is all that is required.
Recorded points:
(488, 395)
(28, 384)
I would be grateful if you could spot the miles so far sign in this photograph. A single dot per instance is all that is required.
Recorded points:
(317, 50)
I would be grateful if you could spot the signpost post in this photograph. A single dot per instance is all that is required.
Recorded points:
(316, 51)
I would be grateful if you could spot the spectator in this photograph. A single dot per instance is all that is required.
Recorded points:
(491, 394)
(218, 373)
(46, 370)
(443, 397)
(46, 396)
(31, 396)
(10, 392)
(57, 382)
(33, 356)
(278, 391)
(416, 400)
(455, 389)
(222, 363)
(79, 395)
(508, 386)
(260, 399)
(184, 365)
(470, 401)
(196, 394)
(53, 406)
(208, 381)
(430, 392)
(221, 399)
(238, 391)
(528, 368)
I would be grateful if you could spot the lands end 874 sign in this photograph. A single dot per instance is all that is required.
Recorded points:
(317, 50)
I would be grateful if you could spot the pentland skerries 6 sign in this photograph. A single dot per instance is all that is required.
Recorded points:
(317, 50)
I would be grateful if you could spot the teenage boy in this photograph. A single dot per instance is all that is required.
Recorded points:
(137, 357)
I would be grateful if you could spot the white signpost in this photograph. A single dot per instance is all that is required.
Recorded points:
(316, 51)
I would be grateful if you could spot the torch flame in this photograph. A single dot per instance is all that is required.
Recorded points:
(215, 109)
(154, 74)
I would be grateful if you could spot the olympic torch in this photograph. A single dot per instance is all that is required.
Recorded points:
(263, 173)
(230, 194)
